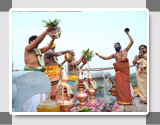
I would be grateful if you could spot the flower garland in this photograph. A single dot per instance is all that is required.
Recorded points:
(85, 84)
(56, 61)
(40, 58)
(67, 86)
(93, 83)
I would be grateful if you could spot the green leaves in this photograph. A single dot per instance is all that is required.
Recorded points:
(100, 87)
(88, 54)
(51, 23)
(84, 110)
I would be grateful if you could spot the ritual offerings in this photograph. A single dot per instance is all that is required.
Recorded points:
(92, 88)
(68, 57)
(48, 105)
(81, 95)
(65, 100)
(56, 33)
(88, 56)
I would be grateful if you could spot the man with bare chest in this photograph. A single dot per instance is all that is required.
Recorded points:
(73, 69)
(33, 56)
(122, 72)
(53, 68)
(73, 72)
(34, 62)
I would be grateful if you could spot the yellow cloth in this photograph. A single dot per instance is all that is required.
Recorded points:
(72, 78)
(136, 91)
(53, 71)
(54, 45)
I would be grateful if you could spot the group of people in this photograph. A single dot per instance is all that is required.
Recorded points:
(122, 69)
(34, 61)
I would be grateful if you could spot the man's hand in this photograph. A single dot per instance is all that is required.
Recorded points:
(141, 53)
(50, 28)
(97, 54)
(71, 52)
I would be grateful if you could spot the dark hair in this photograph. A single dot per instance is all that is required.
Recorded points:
(143, 46)
(117, 43)
(32, 38)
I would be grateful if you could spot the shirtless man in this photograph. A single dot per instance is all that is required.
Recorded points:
(73, 73)
(32, 55)
(73, 66)
(122, 72)
(50, 54)
(53, 68)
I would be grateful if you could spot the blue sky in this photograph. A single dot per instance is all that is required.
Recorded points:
(97, 30)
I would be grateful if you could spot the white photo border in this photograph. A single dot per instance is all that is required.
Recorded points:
(73, 9)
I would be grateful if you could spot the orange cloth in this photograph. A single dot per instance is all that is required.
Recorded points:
(123, 82)
(53, 73)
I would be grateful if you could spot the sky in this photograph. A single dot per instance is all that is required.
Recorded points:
(97, 30)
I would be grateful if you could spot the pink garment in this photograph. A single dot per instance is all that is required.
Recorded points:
(132, 91)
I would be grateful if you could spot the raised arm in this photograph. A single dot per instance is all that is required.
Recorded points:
(130, 44)
(105, 58)
(82, 66)
(80, 60)
(39, 39)
(50, 53)
(44, 49)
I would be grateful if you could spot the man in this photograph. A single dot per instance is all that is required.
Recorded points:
(34, 62)
(53, 68)
(73, 72)
(141, 72)
(33, 56)
(73, 69)
(122, 72)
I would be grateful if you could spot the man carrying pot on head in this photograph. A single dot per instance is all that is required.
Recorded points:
(141, 72)
(122, 77)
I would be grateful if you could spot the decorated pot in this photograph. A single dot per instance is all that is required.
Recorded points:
(81, 96)
(92, 92)
(55, 33)
(68, 57)
(84, 61)
(66, 103)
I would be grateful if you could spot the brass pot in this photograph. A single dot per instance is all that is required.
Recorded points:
(68, 57)
(65, 103)
(82, 97)
(92, 92)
